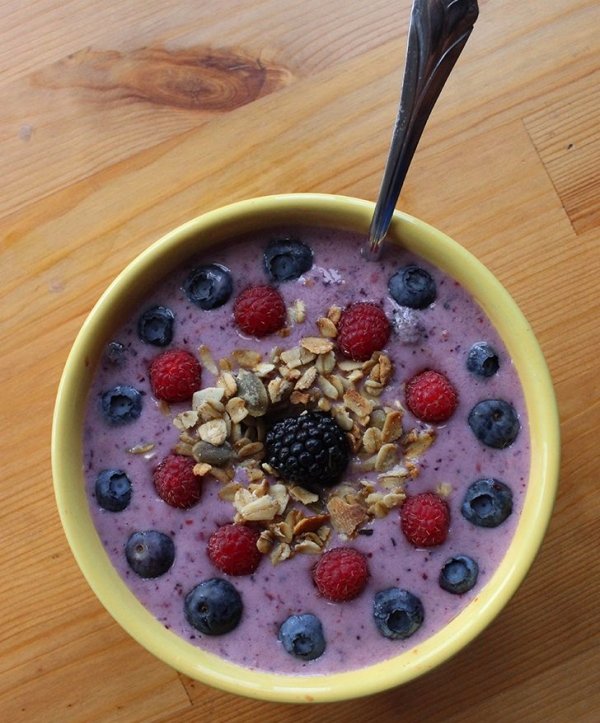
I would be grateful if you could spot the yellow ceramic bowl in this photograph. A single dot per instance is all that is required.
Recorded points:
(111, 310)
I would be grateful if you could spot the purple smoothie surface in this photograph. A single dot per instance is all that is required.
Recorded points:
(339, 276)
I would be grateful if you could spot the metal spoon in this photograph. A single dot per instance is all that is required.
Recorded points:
(437, 34)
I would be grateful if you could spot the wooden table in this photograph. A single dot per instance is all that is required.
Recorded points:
(121, 120)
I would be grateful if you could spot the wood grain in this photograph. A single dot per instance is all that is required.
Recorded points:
(121, 120)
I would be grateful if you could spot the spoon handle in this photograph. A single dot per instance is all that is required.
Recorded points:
(437, 34)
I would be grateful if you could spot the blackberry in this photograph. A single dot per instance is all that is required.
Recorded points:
(310, 449)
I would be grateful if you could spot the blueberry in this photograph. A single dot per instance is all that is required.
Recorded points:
(397, 613)
(482, 360)
(459, 574)
(208, 286)
(213, 607)
(412, 286)
(155, 326)
(121, 404)
(113, 490)
(495, 423)
(287, 259)
(302, 636)
(487, 503)
(150, 553)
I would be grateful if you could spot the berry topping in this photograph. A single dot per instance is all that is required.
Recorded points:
(208, 286)
(431, 397)
(310, 449)
(214, 607)
(150, 553)
(495, 423)
(113, 490)
(487, 503)
(459, 574)
(482, 360)
(341, 574)
(412, 286)
(175, 375)
(397, 613)
(302, 636)
(121, 404)
(287, 259)
(425, 519)
(363, 329)
(175, 481)
(259, 310)
(155, 326)
(232, 548)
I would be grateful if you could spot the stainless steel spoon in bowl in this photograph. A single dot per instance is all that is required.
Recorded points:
(437, 34)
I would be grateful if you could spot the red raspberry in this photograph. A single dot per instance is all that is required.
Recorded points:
(431, 397)
(232, 548)
(259, 310)
(341, 574)
(424, 519)
(363, 329)
(175, 481)
(175, 375)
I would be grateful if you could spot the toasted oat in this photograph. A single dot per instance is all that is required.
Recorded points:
(386, 369)
(334, 314)
(417, 442)
(372, 440)
(316, 344)
(325, 363)
(386, 457)
(342, 417)
(392, 427)
(201, 469)
(186, 420)
(207, 360)
(348, 365)
(358, 404)
(326, 328)
(263, 369)
(374, 389)
(228, 383)
(299, 311)
(246, 358)
(183, 448)
(258, 509)
(265, 542)
(279, 493)
(282, 551)
(223, 474)
(328, 389)
(252, 449)
(228, 490)
(308, 546)
(236, 408)
(208, 393)
(307, 379)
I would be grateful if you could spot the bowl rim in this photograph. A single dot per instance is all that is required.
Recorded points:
(339, 212)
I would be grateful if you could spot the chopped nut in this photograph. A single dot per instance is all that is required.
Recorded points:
(282, 531)
(444, 489)
(214, 431)
(299, 310)
(282, 551)
(326, 328)
(385, 369)
(375, 389)
(227, 382)
(299, 397)
(265, 542)
(324, 404)
(263, 369)
(201, 469)
(308, 547)
(342, 418)
(301, 494)
(316, 344)
(252, 449)
(207, 394)
(346, 517)
(207, 360)
(310, 524)
(325, 363)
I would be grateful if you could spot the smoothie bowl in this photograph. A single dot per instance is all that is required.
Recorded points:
(297, 475)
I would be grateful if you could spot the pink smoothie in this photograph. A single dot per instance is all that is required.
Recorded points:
(338, 277)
